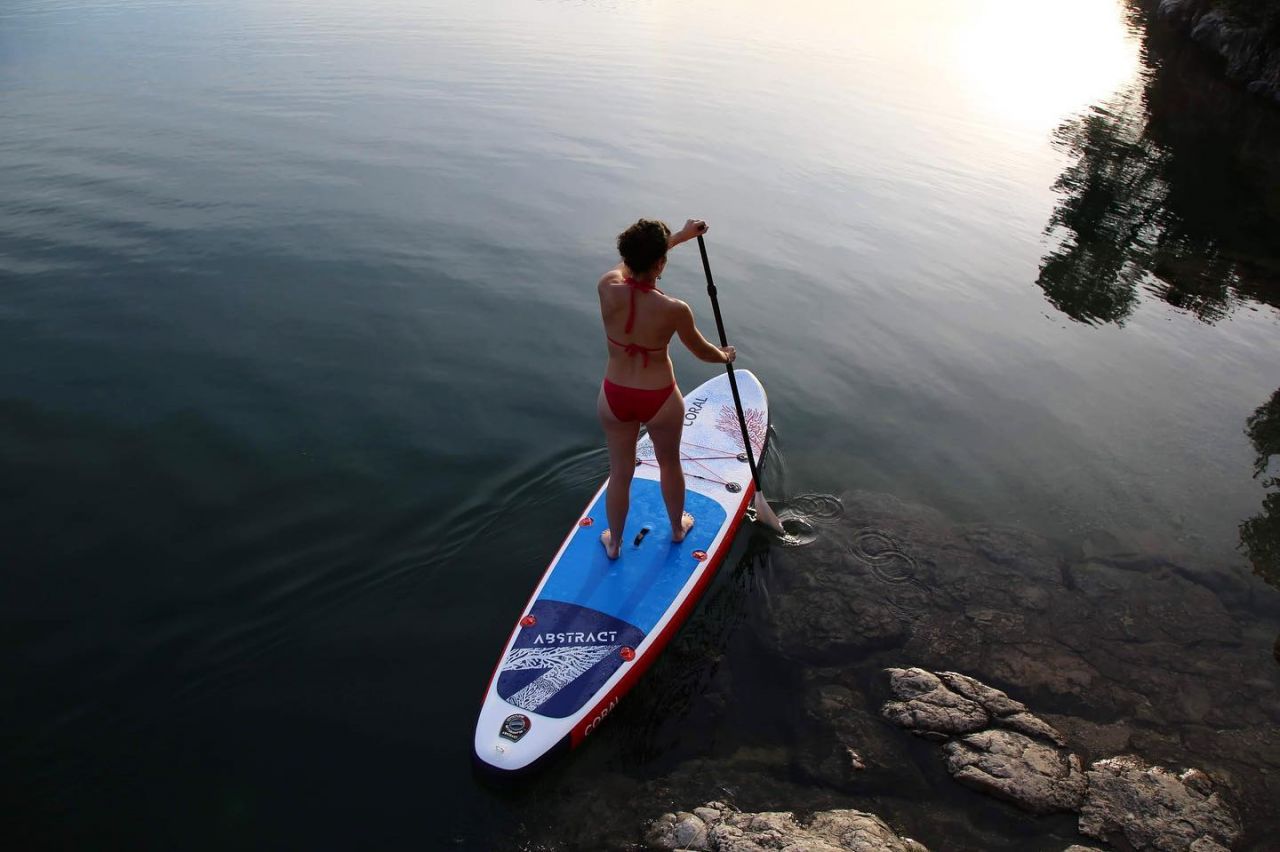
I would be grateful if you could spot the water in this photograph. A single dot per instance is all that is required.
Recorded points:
(298, 347)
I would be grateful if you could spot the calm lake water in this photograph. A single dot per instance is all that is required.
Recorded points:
(299, 347)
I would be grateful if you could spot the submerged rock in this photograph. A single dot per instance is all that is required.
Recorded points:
(928, 708)
(994, 743)
(1165, 657)
(1132, 651)
(1032, 775)
(717, 828)
(842, 743)
(1020, 758)
(940, 705)
(1154, 808)
(992, 700)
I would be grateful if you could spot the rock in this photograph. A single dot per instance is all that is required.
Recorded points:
(716, 828)
(1204, 844)
(1020, 760)
(832, 625)
(678, 831)
(842, 742)
(1153, 808)
(1078, 848)
(992, 700)
(1134, 650)
(927, 707)
(1032, 726)
(1032, 775)
(1240, 46)
(1179, 11)
(939, 705)
(1247, 48)
(707, 813)
(1093, 739)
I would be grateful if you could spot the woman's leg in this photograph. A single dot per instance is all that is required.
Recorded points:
(621, 437)
(665, 429)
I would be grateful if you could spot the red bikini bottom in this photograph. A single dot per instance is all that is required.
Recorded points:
(631, 404)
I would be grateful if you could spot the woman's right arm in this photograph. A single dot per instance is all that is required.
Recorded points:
(702, 349)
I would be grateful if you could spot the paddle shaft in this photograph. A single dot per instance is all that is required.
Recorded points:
(733, 381)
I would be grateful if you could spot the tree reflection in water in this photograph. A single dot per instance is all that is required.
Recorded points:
(1106, 217)
(1260, 535)
(1172, 188)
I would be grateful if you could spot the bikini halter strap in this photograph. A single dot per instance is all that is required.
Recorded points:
(634, 285)
(635, 348)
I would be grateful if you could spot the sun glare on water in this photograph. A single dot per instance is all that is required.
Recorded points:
(1031, 63)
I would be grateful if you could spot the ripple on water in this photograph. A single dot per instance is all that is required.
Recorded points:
(799, 530)
(800, 514)
(883, 555)
(821, 507)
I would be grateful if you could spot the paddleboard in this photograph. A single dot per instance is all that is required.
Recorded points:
(594, 625)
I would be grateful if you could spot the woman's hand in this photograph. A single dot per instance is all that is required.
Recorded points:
(729, 353)
(693, 228)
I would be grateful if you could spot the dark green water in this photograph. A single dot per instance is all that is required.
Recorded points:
(299, 346)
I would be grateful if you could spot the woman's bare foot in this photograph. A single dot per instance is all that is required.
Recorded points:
(686, 524)
(609, 549)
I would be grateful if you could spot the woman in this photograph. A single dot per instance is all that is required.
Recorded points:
(639, 382)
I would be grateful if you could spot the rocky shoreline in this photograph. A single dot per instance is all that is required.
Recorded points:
(1250, 48)
(995, 745)
(1152, 714)
(717, 827)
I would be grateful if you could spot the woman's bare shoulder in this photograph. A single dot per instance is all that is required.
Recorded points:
(674, 305)
(613, 276)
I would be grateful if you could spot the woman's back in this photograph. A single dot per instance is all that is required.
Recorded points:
(639, 321)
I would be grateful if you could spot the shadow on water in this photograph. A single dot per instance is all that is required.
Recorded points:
(1172, 190)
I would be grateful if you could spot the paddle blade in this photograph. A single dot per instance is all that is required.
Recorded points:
(765, 514)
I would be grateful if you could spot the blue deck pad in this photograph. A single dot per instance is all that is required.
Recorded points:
(641, 583)
(593, 607)
(558, 663)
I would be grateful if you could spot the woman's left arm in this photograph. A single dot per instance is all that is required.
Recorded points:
(692, 228)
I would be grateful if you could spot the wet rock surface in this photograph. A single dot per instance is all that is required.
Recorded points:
(1119, 798)
(1131, 652)
(716, 827)
(936, 706)
(1151, 807)
(1033, 775)
(994, 745)
(927, 707)
(1248, 47)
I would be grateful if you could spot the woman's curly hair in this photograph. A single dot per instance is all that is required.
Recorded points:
(644, 244)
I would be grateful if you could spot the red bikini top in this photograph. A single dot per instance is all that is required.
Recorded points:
(635, 348)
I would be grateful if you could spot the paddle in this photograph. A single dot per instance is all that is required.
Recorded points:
(764, 512)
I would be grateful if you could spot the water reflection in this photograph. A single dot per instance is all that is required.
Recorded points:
(1167, 191)
(1260, 535)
